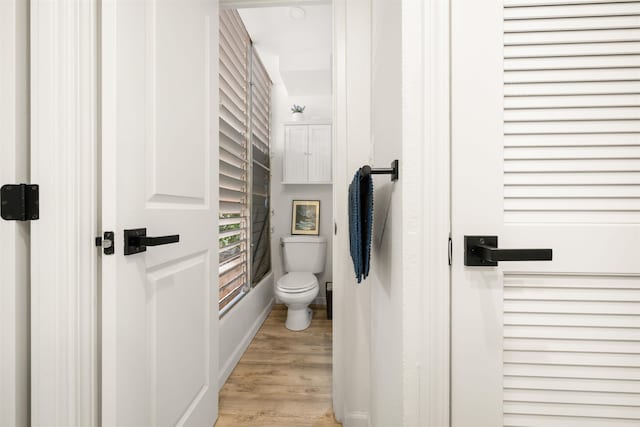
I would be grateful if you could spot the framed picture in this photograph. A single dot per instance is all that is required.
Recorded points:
(305, 217)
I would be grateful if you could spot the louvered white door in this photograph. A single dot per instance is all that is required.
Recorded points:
(546, 154)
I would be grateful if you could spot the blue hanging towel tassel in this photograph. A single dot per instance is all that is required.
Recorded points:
(360, 223)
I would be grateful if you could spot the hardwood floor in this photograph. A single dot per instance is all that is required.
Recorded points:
(284, 378)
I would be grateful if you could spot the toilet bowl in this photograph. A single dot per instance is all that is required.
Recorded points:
(304, 257)
(297, 291)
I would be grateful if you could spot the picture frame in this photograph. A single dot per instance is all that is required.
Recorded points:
(305, 217)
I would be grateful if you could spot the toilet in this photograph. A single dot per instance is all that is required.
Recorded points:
(304, 257)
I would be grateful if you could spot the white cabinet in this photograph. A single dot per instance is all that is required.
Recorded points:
(296, 144)
(307, 154)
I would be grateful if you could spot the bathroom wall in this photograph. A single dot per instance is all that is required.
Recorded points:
(240, 324)
(318, 108)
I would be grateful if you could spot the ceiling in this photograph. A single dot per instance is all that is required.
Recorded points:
(296, 52)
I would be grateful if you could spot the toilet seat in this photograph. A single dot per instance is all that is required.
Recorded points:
(297, 282)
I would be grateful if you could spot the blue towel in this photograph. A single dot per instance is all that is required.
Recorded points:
(360, 223)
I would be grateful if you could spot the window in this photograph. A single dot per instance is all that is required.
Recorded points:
(260, 202)
(244, 158)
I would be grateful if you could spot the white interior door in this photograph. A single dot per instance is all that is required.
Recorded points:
(296, 163)
(319, 153)
(159, 172)
(546, 138)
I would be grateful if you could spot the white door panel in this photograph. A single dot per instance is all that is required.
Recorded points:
(296, 147)
(320, 153)
(160, 108)
(545, 131)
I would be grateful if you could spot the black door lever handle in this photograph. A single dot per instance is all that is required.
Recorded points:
(157, 241)
(483, 251)
(136, 240)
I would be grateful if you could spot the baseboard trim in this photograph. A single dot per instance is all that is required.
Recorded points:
(226, 370)
(356, 419)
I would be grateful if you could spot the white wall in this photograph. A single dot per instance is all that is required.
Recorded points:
(386, 279)
(241, 323)
(318, 107)
(14, 236)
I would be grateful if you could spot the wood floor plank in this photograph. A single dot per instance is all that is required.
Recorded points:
(284, 377)
(234, 420)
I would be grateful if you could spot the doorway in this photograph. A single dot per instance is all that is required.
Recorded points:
(137, 288)
(75, 92)
(270, 374)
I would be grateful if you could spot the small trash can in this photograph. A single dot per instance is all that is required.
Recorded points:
(328, 286)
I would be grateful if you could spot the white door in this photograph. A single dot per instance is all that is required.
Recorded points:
(319, 154)
(159, 70)
(546, 142)
(296, 168)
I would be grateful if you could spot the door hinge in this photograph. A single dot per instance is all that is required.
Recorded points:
(450, 250)
(20, 202)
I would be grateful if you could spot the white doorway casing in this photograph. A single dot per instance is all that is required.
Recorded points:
(426, 212)
(64, 123)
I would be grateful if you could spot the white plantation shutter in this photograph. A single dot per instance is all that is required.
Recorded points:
(234, 163)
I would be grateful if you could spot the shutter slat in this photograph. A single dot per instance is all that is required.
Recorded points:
(227, 195)
(232, 78)
(231, 132)
(232, 172)
(231, 208)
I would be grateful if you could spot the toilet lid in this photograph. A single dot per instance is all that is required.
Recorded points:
(297, 282)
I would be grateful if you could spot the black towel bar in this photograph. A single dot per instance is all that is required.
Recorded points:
(366, 170)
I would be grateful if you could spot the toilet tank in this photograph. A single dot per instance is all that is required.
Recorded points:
(304, 253)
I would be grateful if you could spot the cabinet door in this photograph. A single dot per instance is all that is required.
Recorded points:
(320, 154)
(295, 154)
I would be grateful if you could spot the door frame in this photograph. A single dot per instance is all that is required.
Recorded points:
(14, 235)
(65, 131)
(426, 176)
(64, 259)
